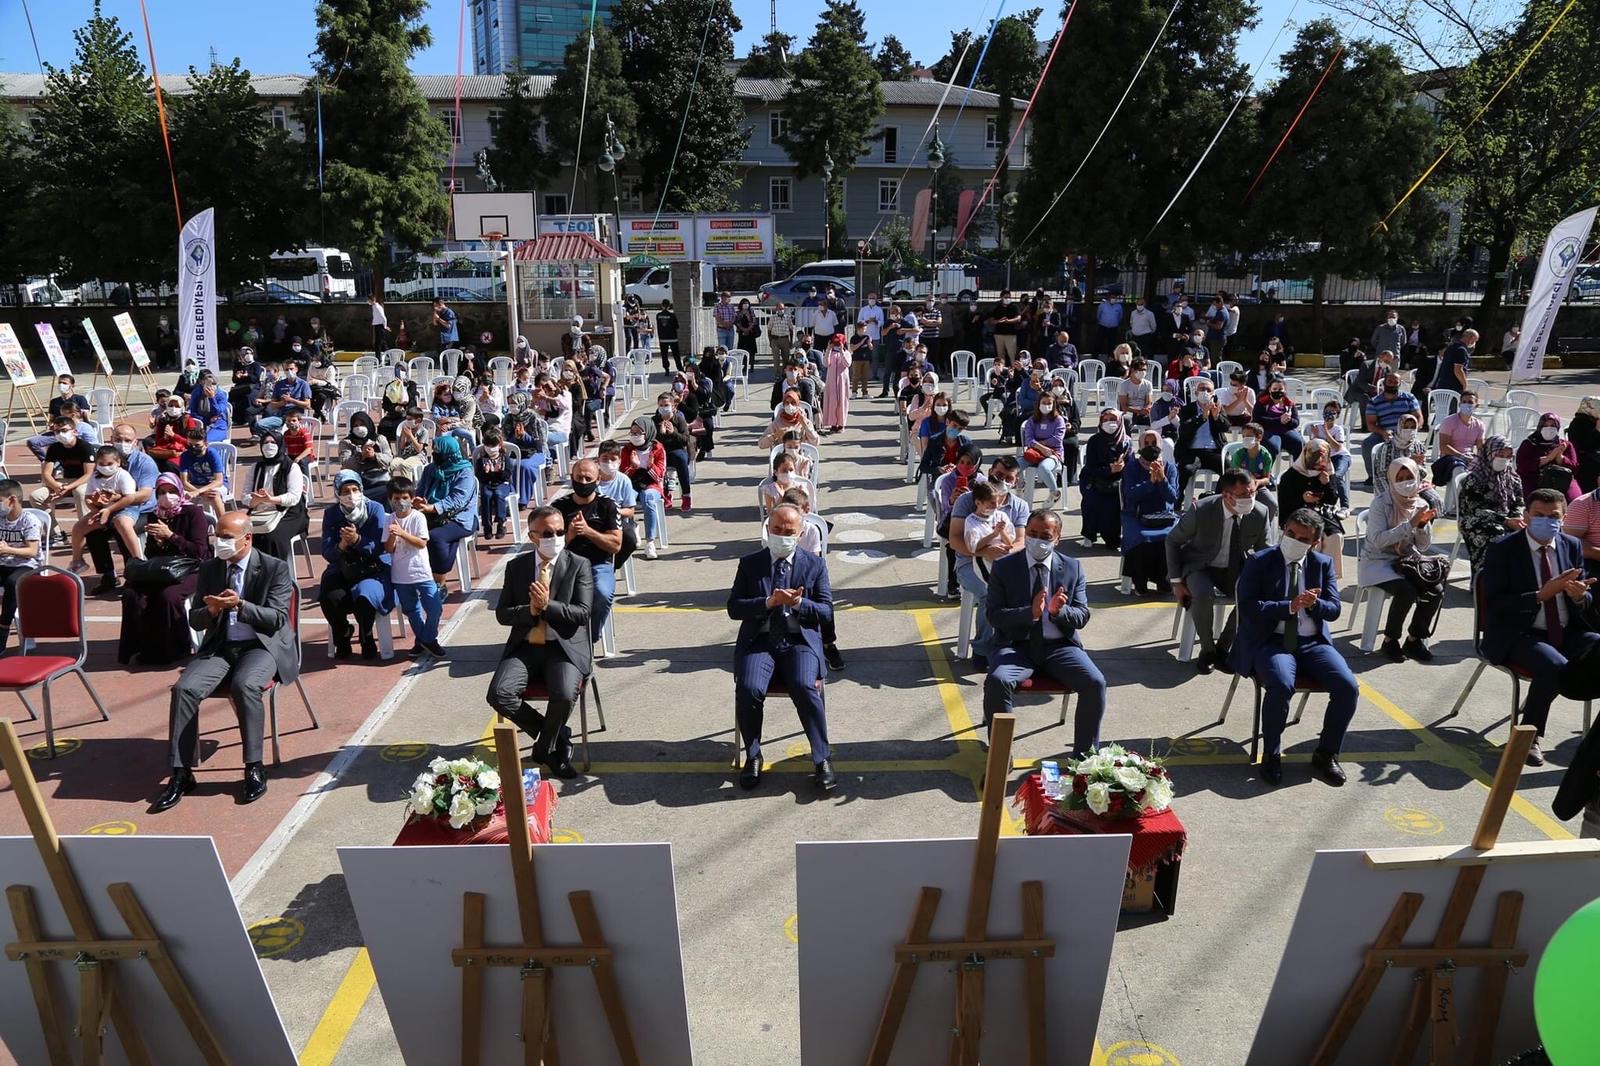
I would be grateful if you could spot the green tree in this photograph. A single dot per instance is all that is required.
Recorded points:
(1011, 70)
(609, 94)
(228, 157)
(101, 183)
(832, 104)
(769, 57)
(1192, 81)
(22, 254)
(661, 58)
(1339, 171)
(893, 62)
(518, 158)
(959, 60)
(382, 147)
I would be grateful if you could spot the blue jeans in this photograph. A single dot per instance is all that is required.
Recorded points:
(1286, 440)
(528, 474)
(493, 502)
(422, 605)
(1049, 474)
(1546, 663)
(1369, 446)
(970, 580)
(263, 424)
(678, 459)
(1319, 663)
(443, 542)
(605, 590)
(654, 512)
(1341, 476)
(726, 337)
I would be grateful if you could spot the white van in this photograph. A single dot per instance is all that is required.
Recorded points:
(656, 284)
(323, 271)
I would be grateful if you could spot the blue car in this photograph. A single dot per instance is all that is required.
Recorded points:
(796, 289)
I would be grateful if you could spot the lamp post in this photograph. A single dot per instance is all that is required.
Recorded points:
(612, 153)
(935, 164)
(827, 202)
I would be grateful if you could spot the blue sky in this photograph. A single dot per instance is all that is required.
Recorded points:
(274, 36)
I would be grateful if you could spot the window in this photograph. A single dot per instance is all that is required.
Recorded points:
(780, 194)
(888, 196)
(279, 119)
(452, 123)
(891, 144)
(991, 132)
(495, 116)
(631, 194)
(453, 184)
(777, 125)
(554, 203)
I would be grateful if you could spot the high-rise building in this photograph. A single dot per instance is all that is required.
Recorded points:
(532, 34)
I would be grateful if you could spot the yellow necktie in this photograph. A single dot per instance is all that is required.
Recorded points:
(540, 633)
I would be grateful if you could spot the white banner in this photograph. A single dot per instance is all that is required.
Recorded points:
(1563, 251)
(52, 348)
(14, 358)
(130, 337)
(99, 349)
(197, 291)
(735, 240)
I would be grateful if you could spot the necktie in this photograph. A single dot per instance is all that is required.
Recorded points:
(1291, 632)
(540, 634)
(1235, 548)
(1552, 610)
(779, 622)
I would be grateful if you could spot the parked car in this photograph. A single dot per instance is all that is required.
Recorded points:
(271, 293)
(656, 284)
(796, 289)
(956, 280)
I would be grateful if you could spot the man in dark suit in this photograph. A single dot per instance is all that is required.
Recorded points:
(781, 598)
(1205, 553)
(1287, 596)
(1038, 601)
(1536, 601)
(242, 605)
(546, 600)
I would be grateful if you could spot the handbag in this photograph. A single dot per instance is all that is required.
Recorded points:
(1555, 476)
(1036, 454)
(160, 571)
(1425, 572)
(1158, 520)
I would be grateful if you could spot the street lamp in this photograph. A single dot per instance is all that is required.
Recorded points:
(827, 201)
(935, 164)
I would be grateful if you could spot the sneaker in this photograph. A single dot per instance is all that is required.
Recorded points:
(685, 507)
(1418, 650)
(649, 549)
(77, 566)
(1391, 651)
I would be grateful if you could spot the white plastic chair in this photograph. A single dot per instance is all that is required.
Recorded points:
(1226, 367)
(1443, 399)
(1183, 624)
(450, 359)
(738, 374)
(965, 376)
(1090, 373)
(357, 387)
(420, 368)
(1190, 385)
(1108, 393)
(366, 364)
(966, 628)
(1296, 388)
(1520, 398)
(1519, 422)
(1320, 398)
(103, 409)
(1199, 481)
(391, 356)
(639, 369)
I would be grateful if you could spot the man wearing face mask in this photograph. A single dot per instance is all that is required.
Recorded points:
(67, 404)
(1206, 551)
(72, 454)
(1389, 335)
(780, 598)
(140, 503)
(547, 601)
(241, 604)
(794, 377)
(1203, 428)
(1535, 604)
(1383, 413)
(593, 532)
(1287, 595)
(357, 580)
(1142, 325)
(1038, 603)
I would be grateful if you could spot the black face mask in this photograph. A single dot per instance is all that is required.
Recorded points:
(583, 488)
(1150, 453)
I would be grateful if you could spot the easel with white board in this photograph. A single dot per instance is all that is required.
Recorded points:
(102, 360)
(22, 379)
(137, 353)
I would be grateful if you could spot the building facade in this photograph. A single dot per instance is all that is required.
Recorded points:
(531, 34)
(880, 189)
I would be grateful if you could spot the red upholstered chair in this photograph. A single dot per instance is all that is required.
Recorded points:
(537, 691)
(49, 608)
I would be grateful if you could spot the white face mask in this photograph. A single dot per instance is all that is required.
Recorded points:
(1548, 432)
(608, 467)
(124, 447)
(1047, 408)
(637, 440)
(269, 450)
(664, 412)
(402, 506)
(1407, 489)
(1251, 442)
(783, 476)
(1039, 548)
(66, 438)
(1241, 505)
(1294, 550)
(107, 471)
(550, 547)
(227, 548)
(1500, 465)
(791, 409)
(1108, 428)
(359, 433)
(940, 409)
(1202, 398)
(1465, 409)
(64, 388)
(782, 547)
(929, 390)
(1404, 435)
(351, 503)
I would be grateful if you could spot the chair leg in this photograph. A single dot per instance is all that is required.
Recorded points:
(1300, 710)
(93, 695)
(272, 717)
(33, 715)
(385, 634)
(49, 723)
(1234, 684)
(738, 744)
(599, 706)
(1062, 720)
(312, 711)
(583, 723)
(1473, 680)
(1255, 727)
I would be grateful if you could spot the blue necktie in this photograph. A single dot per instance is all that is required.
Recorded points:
(780, 614)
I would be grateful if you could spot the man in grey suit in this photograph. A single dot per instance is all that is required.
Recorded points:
(1205, 552)
(242, 605)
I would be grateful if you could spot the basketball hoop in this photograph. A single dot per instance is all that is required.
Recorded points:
(494, 237)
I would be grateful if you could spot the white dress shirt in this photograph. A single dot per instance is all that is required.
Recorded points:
(1229, 523)
(1307, 625)
(1041, 574)
(238, 630)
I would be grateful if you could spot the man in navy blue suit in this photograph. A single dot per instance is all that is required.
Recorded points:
(1287, 595)
(781, 598)
(1037, 602)
(1536, 600)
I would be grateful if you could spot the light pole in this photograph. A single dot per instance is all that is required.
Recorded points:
(935, 163)
(611, 154)
(827, 202)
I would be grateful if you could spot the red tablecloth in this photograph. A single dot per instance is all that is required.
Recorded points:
(492, 830)
(1157, 838)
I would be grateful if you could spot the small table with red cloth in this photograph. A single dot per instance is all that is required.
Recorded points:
(1158, 838)
(490, 829)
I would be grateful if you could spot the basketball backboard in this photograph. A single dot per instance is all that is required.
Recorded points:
(510, 214)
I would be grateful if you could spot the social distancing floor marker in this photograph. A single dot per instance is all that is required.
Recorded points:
(1413, 821)
(64, 746)
(272, 937)
(117, 828)
(1136, 1053)
(791, 928)
(409, 751)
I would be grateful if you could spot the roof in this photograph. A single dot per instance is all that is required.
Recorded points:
(440, 88)
(564, 248)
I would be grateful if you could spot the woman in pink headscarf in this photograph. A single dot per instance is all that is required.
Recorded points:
(155, 624)
(836, 393)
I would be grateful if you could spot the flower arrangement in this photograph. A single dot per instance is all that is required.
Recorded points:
(456, 790)
(1117, 783)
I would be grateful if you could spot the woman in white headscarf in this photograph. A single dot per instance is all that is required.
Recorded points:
(1311, 483)
(1399, 524)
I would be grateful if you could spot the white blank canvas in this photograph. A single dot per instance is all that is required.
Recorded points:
(1344, 906)
(408, 903)
(856, 900)
(180, 883)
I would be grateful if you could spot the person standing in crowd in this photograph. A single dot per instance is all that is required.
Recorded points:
(1007, 319)
(667, 334)
(241, 605)
(155, 611)
(444, 320)
(836, 393)
(1389, 335)
(1108, 317)
(1458, 438)
(380, 325)
(1038, 605)
(780, 596)
(1546, 461)
(871, 316)
(1205, 553)
(356, 582)
(862, 354)
(1536, 607)
(1149, 511)
(420, 597)
(1584, 433)
(1491, 499)
(1287, 595)
(1456, 363)
(1142, 326)
(1104, 459)
(1202, 430)
(724, 315)
(546, 601)
(780, 331)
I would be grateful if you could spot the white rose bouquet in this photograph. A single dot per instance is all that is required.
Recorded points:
(457, 791)
(1117, 783)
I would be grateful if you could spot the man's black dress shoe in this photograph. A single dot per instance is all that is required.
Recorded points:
(255, 783)
(824, 777)
(1272, 769)
(179, 785)
(1327, 767)
(750, 776)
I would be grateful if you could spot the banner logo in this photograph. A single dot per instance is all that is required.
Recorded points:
(196, 256)
(1563, 255)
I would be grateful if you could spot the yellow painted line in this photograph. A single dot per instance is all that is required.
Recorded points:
(334, 1025)
(843, 608)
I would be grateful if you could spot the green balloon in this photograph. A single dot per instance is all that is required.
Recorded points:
(1565, 988)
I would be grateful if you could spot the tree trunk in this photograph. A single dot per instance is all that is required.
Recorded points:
(1318, 283)
(1486, 321)
(1152, 271)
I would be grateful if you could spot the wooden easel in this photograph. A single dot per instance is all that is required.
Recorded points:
(145, 377)
(535, 959)
(1433, 1011)
(30, 405)
(976, 950)
(94, 957)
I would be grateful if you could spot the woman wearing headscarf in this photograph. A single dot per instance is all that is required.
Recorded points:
(1491, 500)
(1584, 434)
(362, 431)
(155, 617)
(1310, 483)
(644, 462)
(1400, 523)
(1546, 461)
(323, 377)
(526, 430)
(356, 581)
(836, 393)
(789, 415)
(210, 407)
(1105, 458)
(672, 431)
(447, 496)
(1149, 511)
(275, 494)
